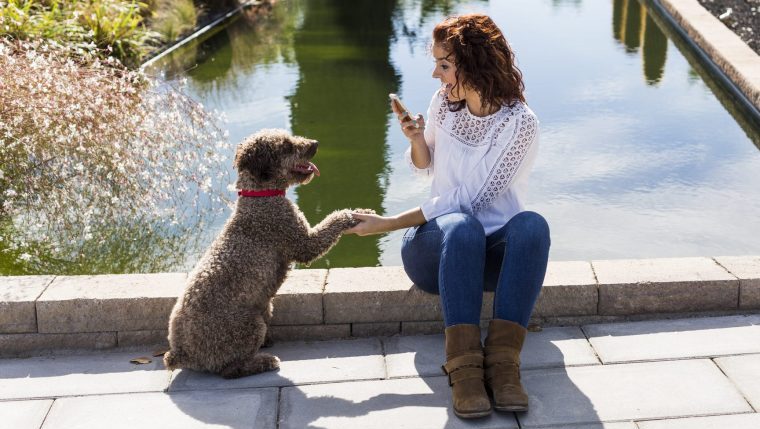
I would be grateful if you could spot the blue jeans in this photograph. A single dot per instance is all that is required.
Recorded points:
(452, 256)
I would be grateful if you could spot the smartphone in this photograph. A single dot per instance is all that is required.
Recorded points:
(399, 105)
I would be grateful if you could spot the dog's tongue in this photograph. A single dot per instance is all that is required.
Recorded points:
(313, 166)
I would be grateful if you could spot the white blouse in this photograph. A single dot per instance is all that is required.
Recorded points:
(480, 165)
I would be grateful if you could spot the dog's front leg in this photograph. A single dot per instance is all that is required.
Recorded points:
(323, 236)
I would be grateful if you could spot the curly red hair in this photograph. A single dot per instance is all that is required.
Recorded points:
(483, 58)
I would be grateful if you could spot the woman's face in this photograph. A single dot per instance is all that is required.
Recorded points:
(445, 71)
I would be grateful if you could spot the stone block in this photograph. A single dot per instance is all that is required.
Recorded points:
(381, 404)
(616, 425)
(17, 296)
(310, 332)
(731, 421)
(299, 300)
(669, 285)
(422, 328)
(186, 410)
(744, 371)
(421, 356)
(24, 414)
(380, 329)
(675, 339)
(124, 302)
(634, 391)
(377, 294)
(77, 375)
(569, 289)
(20, 345)
(157, 338)
(300, 363)
(747, 270)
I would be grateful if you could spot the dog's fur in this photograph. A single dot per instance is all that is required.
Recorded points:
(220, 322)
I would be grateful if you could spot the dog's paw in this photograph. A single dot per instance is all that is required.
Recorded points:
(267, 362)
(355, 221)
(364, 211)
(343, 219)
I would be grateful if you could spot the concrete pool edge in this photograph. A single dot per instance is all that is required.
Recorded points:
(730, 55)
(39, 314)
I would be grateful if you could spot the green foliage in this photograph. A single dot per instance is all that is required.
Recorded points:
(173, 18)
(113, 27)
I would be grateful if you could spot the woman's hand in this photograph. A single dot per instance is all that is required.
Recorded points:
(413, 128)
(370, 224)
(375, 224)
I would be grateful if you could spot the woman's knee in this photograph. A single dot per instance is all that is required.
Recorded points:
(531, 226)
(461, 227)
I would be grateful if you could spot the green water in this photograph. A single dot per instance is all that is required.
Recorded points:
(642, 155)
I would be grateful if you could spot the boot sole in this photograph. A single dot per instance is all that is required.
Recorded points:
(473, 415)
(511, 408)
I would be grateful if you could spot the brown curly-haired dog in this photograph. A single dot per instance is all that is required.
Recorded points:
(220, 322)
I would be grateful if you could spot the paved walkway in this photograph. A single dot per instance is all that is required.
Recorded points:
(687, 373)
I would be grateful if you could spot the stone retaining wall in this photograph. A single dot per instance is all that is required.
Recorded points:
(727, 50)
(40, 313)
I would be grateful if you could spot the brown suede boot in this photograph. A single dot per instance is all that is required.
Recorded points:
(464, 366)
(503, 345)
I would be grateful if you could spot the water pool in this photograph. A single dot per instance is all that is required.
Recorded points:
(641, 155)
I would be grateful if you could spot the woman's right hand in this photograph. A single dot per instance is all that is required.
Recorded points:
(370, 224)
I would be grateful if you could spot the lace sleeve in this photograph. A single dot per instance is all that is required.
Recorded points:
(509, 161)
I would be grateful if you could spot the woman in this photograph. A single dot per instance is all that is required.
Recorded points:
(473, 233)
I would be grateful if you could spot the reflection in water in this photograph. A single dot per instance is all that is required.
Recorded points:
(222, 60)
(214, 49)
(654, 50)
(341, 99)
(628, 166)
(633, 26)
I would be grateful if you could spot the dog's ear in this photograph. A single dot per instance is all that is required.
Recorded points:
(258, 160)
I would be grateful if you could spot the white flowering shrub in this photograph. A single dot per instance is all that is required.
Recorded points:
(101, 169)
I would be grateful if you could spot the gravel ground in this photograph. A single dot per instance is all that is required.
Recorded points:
(744, 18)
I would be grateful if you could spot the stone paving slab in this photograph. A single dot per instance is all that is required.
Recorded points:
(625, 392)
(744, 371)
(236, 409)
(667, 285)
(17, 296)
(735, 421)
(747, 269)
(616, 425)
(123, 302)
(23, 414)
(552, 347)
(407, 403)
(675, 339)
(569, 289)
(299, 300)
(91, 374)
(301, 363)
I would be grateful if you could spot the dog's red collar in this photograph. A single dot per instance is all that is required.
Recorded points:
(263, 193)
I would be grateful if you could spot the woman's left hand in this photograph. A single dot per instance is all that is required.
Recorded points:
(370, 224)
